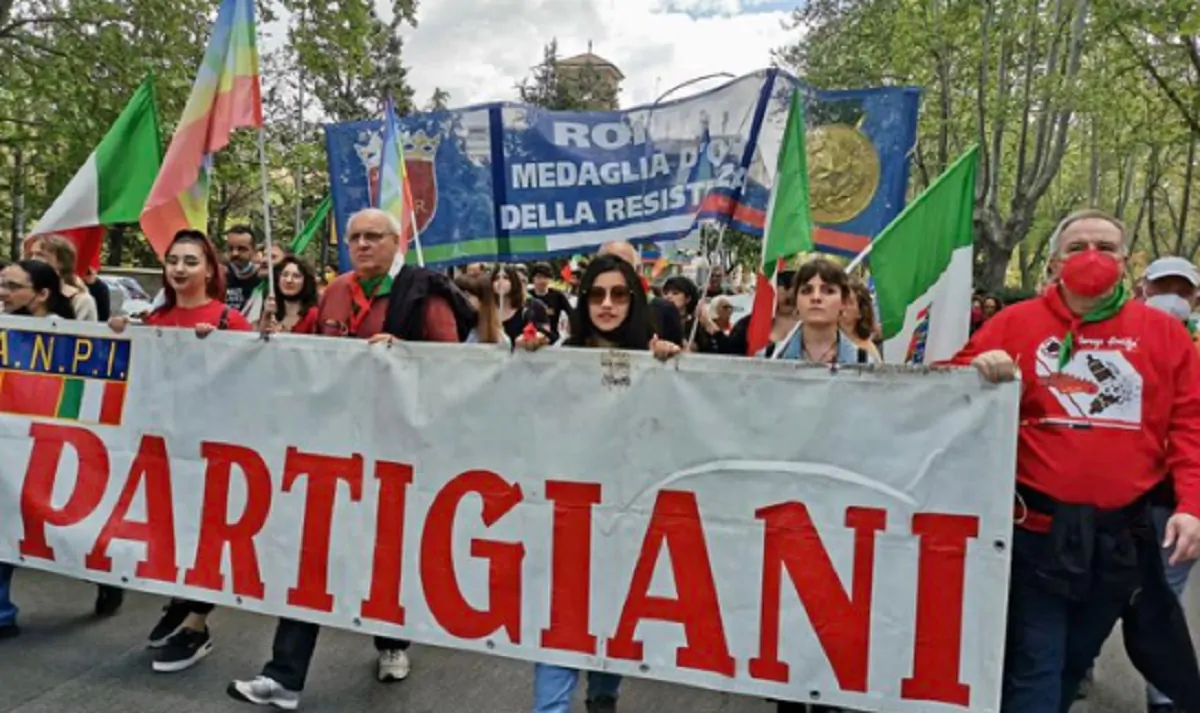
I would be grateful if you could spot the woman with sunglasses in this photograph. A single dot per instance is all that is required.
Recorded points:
(612, 313)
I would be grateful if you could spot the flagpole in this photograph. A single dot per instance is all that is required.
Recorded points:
(266, 194)
(412, 213)
(704, 283)
(859, 258)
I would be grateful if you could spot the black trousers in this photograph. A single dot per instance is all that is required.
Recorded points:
(292, 652)
(191, 607)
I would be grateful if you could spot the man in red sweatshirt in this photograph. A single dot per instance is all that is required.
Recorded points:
(1110, 405)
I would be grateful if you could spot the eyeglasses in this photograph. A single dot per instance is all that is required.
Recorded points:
(366, 237)
(618, 295)
(13, 286)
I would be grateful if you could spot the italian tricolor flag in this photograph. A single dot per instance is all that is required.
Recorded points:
(789, 228)
(921, 265)
(72, 398)
(113, 184)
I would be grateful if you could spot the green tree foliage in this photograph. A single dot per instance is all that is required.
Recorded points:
(67, 68)
(1061, 95)
(581, 87)
(439, 101)
(352, 55)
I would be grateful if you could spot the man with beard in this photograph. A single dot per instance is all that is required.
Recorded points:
(241, 276)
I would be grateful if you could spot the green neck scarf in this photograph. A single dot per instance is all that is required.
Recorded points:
(376, 286)
(1105, 309)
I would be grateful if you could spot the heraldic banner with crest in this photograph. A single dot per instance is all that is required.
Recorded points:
(516, 182)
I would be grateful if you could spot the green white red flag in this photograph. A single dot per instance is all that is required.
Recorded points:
(789, 226)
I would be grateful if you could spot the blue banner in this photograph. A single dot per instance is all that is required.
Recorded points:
(512, 182)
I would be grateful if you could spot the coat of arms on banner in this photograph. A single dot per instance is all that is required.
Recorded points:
(63, 376)
(420, 152)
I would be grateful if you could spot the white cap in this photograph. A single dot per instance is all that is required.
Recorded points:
(1172, 267)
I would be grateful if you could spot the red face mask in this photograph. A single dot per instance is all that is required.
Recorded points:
(1090, 273)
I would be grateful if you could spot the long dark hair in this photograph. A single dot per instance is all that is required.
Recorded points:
(479, 285)
(44, 277)
(516, 287)
(635, 332)
(864, 328)
(308, 291)
(214, 288)
(684, 286)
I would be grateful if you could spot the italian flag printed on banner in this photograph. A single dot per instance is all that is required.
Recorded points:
(921, 265)
(112, 186)
(70, 398)
(789, 227)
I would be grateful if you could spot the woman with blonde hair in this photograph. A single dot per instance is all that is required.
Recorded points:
(59, 253)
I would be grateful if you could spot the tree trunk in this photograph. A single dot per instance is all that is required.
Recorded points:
(18, 203)
(222, 210)
(116, 245)
(1189, 172)
(993, 265)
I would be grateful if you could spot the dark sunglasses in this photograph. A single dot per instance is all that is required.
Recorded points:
(618, 295)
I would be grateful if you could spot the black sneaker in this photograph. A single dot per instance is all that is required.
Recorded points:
(602, 704)
(109, 600)
(183, 650)
(169, 625)
(9, 631)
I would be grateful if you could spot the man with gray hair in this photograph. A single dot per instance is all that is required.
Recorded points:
(381, 301)
(1109, 407)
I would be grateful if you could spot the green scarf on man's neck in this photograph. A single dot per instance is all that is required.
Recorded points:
(1106, 308)
(378, 286)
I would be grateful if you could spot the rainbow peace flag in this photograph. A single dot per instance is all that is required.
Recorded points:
(395, 190)
(225, 97)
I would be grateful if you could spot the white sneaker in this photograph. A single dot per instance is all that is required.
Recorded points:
(393, 665)
(263, 691)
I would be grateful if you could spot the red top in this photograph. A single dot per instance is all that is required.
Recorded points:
(209, 313)
(1120, 415)
(336, 313)
(307, 323)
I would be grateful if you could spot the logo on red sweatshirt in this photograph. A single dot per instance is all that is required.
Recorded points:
(1097, 385)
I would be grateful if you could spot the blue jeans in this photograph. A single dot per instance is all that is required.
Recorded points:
(8, 610)
(1052, 641)
(554, 686)
(1177, 577)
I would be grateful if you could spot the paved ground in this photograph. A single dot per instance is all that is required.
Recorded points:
(69, 661)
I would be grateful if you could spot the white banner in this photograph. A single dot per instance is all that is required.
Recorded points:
(739, 525)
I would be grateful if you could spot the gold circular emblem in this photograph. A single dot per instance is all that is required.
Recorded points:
(843, 172)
